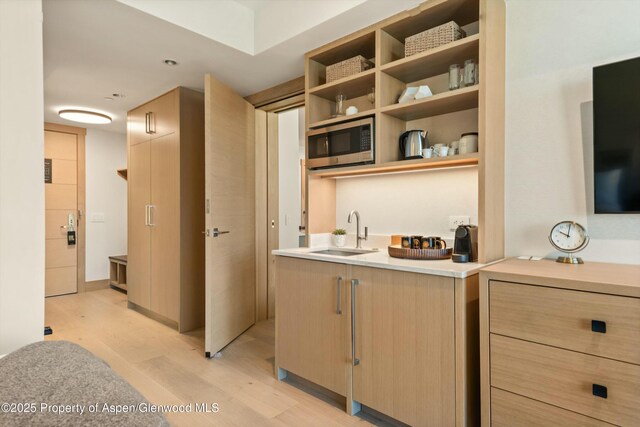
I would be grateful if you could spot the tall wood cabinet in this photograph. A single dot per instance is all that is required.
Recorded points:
(166, 208)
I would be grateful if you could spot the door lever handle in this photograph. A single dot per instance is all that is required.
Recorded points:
(217, 232)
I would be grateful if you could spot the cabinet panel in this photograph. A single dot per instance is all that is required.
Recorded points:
(566, 379)
(512, 410)
(404, 340)
(137, 125)
(164, 114)
(311, 337)
(563, 318)
(165, 228)
(139, 235)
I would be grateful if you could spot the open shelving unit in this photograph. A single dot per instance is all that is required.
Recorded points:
(478, 108)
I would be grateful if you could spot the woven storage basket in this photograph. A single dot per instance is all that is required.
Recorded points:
(432, 38)
(347, 68)
(396, 251)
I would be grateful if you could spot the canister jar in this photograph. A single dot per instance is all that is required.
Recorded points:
(468, 143)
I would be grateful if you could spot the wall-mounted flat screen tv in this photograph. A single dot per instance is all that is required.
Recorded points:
(616, 137)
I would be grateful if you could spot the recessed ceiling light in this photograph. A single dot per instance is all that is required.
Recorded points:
(84, 116)
(118, 95)
(171, 62)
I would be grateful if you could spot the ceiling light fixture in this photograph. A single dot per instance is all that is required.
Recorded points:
(84, 116)
(170, 62)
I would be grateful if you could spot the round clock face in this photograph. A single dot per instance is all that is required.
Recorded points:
(568, 236)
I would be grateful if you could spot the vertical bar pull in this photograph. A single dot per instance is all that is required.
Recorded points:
(354, 283)
(151, 208)
(152, 123)
(339, 285)
(146, 123)
(599, 326)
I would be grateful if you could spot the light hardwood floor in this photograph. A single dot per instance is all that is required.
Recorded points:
(169, 368)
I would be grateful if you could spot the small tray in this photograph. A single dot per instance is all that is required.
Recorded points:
(396, 251)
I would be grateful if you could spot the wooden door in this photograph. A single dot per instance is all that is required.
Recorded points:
(139, 232)
(165, 226)
(230, 282)
(312, 321)
(404, 341)
(61, 212)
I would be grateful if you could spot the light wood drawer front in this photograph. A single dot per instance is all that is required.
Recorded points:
(512, 410)
(563, 318)
(565, 378)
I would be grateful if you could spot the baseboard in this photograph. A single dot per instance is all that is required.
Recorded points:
(96, 285)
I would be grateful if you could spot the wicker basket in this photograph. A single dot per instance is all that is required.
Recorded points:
(347, 68)
(432, 38)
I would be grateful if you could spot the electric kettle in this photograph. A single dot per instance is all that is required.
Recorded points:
(411, 144)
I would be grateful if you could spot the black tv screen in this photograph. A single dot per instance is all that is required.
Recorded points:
(616, 137)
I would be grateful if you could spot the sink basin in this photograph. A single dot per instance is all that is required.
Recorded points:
(343, 252)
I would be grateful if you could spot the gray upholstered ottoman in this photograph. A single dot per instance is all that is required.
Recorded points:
(58, 383)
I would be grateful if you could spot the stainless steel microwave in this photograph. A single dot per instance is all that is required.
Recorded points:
(343, 144)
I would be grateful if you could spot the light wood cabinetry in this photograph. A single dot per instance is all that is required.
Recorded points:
(405, 344)
(560, 343)
(312, 321)
(166, 208)
(446, 115)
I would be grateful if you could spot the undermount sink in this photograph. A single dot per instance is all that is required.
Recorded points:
(343, 252)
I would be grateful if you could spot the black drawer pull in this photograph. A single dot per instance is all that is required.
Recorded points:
(599, 390)
(599, 326)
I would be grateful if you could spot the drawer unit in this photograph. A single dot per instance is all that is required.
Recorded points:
(559, 344)
(512, 410)
(602, 325)
(567, 379)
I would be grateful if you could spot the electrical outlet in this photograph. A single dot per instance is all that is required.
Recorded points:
(455, 221)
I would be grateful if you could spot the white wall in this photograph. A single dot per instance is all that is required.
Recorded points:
(409, 203)
(289, 132)
(552, 47)
(21, 174)
(106, 201)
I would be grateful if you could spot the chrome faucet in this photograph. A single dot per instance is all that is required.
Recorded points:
(366, 229)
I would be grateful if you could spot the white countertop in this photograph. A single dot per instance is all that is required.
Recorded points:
(381, 259)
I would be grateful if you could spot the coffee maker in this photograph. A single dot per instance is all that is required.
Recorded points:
(465, 245)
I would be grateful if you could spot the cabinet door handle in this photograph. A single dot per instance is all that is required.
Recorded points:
(599, 326)
(146, 123)
(339, 285)
(152, 123)
(151, 208)
(354, 283)
(599, 390)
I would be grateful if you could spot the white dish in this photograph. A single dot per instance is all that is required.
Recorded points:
(408, 95)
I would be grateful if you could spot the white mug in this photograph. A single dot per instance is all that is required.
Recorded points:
(427, 153)
(452, 151)
(436, 149)
(443, 151)
(351, 110)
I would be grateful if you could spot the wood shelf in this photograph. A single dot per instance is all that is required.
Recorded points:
(435, 61)
(122, 173)
(352, 86)
(346, 48)
(341, 119)
(431, 14)
(442, 103)
(470, 159)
